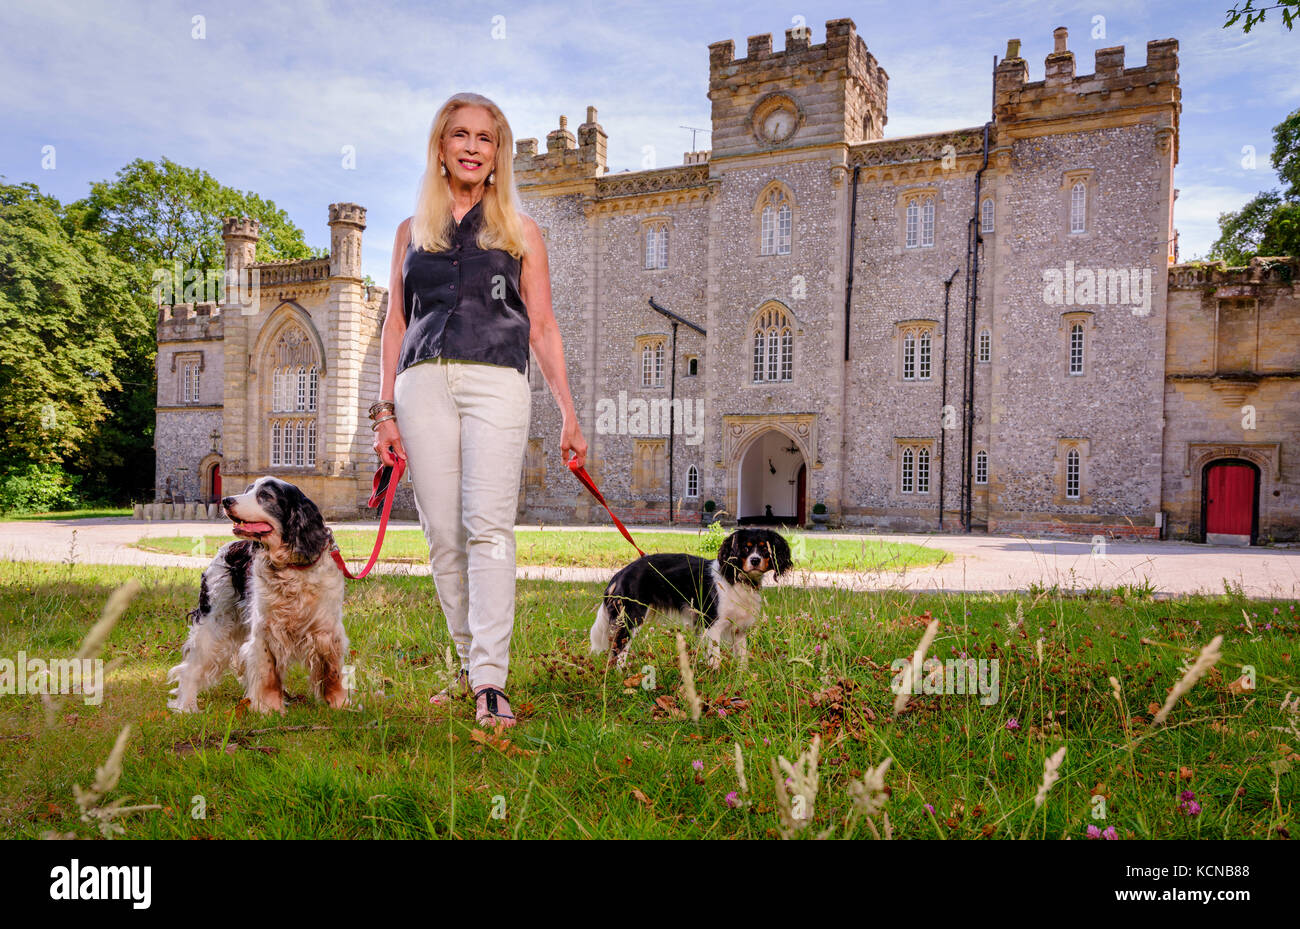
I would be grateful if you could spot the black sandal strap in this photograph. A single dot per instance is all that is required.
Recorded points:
(492, 694)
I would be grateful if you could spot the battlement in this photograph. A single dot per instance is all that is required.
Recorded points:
(188, 321)
(843, 46)
(696, 158)
(240, 227)
(348, 213)
(1277, 272)
(567, 157)
(1063, 94)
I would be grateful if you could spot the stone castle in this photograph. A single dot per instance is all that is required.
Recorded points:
(982, 328)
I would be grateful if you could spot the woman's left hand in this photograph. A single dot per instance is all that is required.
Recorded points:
(571, 440)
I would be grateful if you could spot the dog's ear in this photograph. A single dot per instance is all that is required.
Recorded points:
(781, 553)
(304, 527)
(728, 553)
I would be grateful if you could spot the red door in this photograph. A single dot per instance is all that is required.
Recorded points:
(216, 482)
(1230, 499)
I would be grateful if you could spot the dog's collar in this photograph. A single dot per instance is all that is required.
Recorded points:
(312, 563)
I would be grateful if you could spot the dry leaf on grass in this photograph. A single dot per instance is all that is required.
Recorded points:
(640, 797)
(499, 742)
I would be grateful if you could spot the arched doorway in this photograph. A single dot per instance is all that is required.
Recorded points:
(1230, 502)
(771, 484)
(210, 479)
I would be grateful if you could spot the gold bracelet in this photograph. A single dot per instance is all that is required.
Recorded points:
(380, 405)
(375, 427)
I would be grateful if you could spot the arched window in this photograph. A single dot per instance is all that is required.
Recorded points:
(295, 390)
(656, 245)
(986, 345)
(773, 346)
(1072, 474)
(982, 467)
(917, 347)
(692, 481)
(986, 215)
(919, 217)
(1078, 207)
(1076, 348)
(652, 364)
(907, 471)
(923, 470)
(776, 223)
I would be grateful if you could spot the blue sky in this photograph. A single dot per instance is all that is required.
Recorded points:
(269, 98)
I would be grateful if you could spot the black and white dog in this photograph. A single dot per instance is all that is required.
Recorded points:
(721, 598)
(272, 597)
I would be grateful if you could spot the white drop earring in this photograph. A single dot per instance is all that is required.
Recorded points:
(442, 167)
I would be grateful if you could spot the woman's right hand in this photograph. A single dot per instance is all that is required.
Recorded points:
(388, 442)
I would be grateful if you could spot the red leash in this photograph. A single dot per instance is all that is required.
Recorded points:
(384, 488)
(385, 483)
(582, 475)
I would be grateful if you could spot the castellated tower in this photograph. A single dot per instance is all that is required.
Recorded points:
(1081, 166)
(347, 222)
(803, 95)
(240, 235)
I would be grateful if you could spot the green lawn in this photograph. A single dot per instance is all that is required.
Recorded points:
(595, 758)
(581, 549)
(84, 513)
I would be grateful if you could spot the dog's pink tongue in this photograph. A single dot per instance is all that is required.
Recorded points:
(254, 527)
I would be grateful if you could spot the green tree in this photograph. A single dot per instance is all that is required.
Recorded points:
(156, 214)
(1254, 15)
(1269, 224)
(70, 315)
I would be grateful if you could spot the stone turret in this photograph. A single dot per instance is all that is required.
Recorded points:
(240, 235)
(347, 222)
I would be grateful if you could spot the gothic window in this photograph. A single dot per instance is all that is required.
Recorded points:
(986, 215)
(295, 389)
(917, 351)
(1079, 207)
(652, 363)
(656, 245)
(986, 346)
(692, 481)
(982, 467)
(1072, 474)
(773, 346)
(776, 221)
(914, 466)
(918, 216)
(649, 463)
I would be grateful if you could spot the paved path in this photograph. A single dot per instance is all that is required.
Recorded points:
(979, 563)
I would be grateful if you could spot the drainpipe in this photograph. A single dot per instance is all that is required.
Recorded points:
(848, 285)
(972, 292)
(943, 392)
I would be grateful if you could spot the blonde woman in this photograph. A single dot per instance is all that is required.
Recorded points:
(470, 293)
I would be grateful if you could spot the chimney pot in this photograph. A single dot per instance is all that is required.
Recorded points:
(1060, 33)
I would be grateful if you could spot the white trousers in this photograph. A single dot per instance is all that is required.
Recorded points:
(464, 426)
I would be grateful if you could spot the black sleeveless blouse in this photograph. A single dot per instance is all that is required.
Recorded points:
(464, 303)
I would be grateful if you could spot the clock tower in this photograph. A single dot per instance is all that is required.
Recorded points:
(803, 95)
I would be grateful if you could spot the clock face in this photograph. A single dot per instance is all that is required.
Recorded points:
(778, 125)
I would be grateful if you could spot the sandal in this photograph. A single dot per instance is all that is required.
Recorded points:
(457, 689)
(493, 717)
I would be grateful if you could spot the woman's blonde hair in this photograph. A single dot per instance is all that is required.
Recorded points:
(432, 224)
